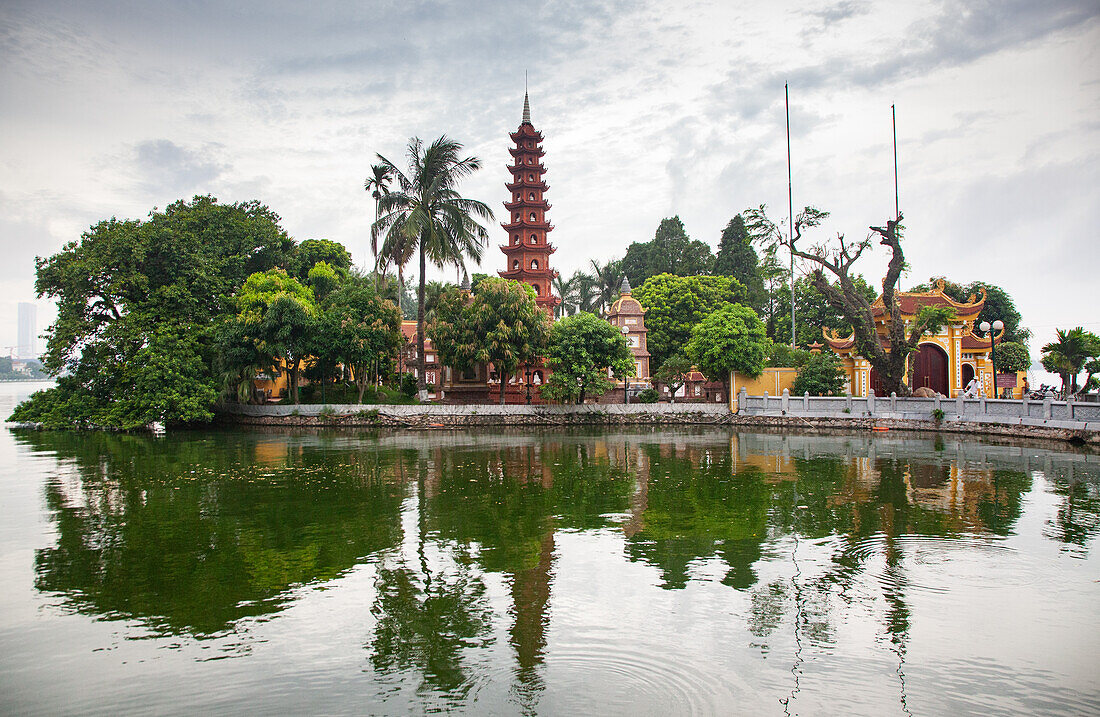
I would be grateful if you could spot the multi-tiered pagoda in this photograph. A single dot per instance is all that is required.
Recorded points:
(527, 251)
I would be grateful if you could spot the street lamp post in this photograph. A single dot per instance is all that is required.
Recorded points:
(997, 326)
(528, 374)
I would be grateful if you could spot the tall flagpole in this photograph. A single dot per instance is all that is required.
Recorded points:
(790, 206)
(894, 119)
(897, 204)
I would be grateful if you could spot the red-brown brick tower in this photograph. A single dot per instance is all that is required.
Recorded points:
(527, 253)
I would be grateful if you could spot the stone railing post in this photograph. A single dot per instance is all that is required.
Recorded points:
(806, 402)
(785, 402)
(1047, 406)
(937, 400)
(1069, 407)
(981, 405)
(871, 402)
(893, 402)
(960, 405)
(742, 399)
(848, 401)
(765, 403)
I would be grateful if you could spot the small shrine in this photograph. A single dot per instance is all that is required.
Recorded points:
(946, 360)
(628, 316)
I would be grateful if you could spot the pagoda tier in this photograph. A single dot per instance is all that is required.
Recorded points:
(525, 134)
(528, 225)
(521, 273)
(525, 184)
(517, 151)
(527, 204)
(518, 168)
(527, 253)
(510, 249)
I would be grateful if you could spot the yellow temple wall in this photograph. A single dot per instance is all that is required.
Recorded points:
(772, 380)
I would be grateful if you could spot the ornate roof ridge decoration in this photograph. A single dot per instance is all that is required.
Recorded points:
(910, 302)
(834, 340)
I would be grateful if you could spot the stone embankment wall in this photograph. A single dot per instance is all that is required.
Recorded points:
(1066, 420)
(802, 413)
(437, 415)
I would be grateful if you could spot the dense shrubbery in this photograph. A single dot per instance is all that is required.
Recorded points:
(820, 375)
(408, 384)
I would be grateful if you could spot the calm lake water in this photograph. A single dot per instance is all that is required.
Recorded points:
(557, 573)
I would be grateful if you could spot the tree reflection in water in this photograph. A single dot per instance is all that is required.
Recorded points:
(191, 536)
(507, 504)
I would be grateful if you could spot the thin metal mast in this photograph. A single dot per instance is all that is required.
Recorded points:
(897, 203)
(790, 206)
(894, 119)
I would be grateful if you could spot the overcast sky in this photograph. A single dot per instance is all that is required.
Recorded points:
(649, 110)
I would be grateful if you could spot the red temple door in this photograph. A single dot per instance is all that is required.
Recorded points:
(931, 369)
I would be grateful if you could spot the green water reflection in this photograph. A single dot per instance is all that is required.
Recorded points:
(193, 534)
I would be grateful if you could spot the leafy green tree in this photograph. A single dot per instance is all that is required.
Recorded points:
(675, 304)
(127, 289)
(738, 259)
(311, 251)
(363, 331)
(813, 312)
(821, 375)
(783, 355)
(426, 211)
(476, 280)
(1013, 356)
(1067, 356)
(323, 279)
(670, 252)
(1092, 369)
(501, 325)
(280, 316)
(730, 339)
(674, 372)
(582, 349)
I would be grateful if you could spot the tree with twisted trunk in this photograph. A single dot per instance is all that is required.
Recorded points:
(888, 353)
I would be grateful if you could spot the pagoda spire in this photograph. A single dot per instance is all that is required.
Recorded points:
(526, 109)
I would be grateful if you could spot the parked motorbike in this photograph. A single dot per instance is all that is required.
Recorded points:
(1043, 392)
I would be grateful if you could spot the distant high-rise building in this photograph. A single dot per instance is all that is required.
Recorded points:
(27, 344)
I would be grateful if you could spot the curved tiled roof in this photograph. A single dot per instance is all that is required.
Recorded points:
(910, 302)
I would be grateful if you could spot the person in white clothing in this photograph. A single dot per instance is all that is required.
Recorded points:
(972, 388)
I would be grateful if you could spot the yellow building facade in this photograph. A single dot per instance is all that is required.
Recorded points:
(946, 360)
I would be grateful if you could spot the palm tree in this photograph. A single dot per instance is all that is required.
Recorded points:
(567, 290)
(378, 184)
(425, 213)
(587, 295)
(1067, 355)
(608, 279)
